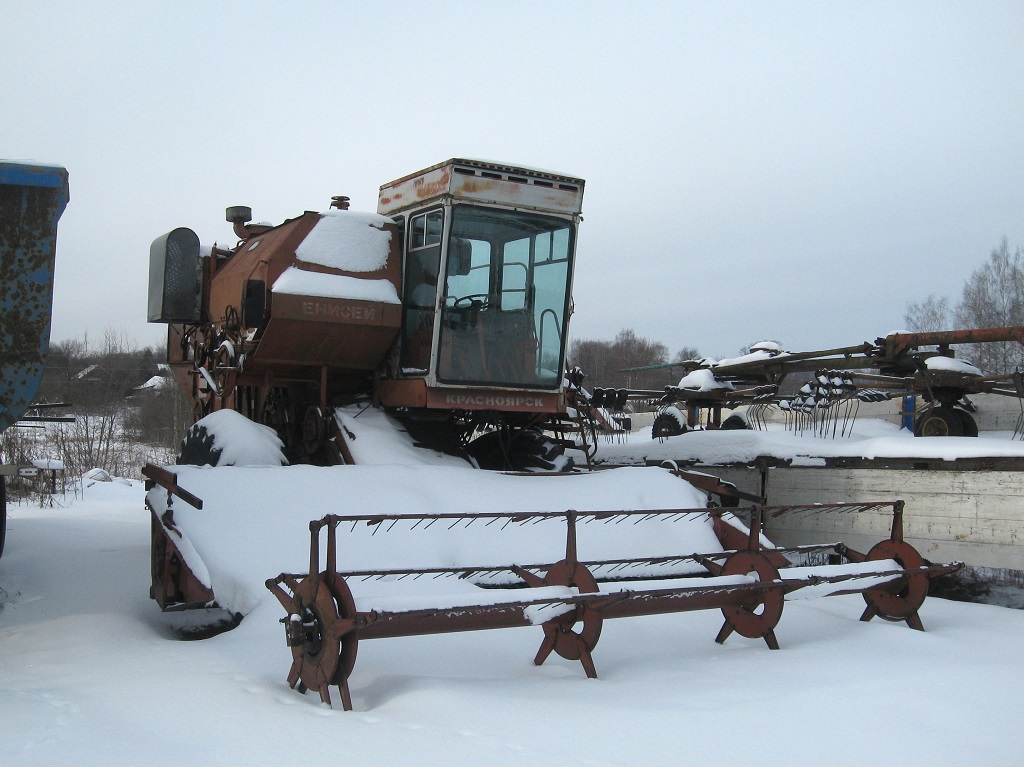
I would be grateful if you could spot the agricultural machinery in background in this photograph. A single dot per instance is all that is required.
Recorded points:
(32, 199)
(906, 365)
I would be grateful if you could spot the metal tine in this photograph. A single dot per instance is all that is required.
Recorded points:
(393, 523)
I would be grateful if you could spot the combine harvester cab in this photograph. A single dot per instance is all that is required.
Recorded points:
(448, 307)
(32, 199)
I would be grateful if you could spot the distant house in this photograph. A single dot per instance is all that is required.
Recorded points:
(93, 374)
(156, 385)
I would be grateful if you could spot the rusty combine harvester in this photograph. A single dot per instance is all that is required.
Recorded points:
(32, 200)
(449, 307)
(445, 313)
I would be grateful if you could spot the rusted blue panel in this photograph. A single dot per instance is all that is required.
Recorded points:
(32, 199)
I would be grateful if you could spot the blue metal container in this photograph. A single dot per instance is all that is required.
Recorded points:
(32, 199)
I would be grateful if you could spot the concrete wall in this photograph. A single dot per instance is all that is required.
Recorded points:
(973, 516)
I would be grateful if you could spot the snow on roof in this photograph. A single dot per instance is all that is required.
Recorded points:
(156, 382)
(348, 240)
(299, 282)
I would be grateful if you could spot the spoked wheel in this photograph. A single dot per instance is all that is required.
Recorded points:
(757, 617)
(319, 630)
(560, 634)
(200, 343)
(313, 430)
(223, 367)
(901, 600)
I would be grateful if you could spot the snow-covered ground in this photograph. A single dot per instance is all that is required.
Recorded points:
(90, 674)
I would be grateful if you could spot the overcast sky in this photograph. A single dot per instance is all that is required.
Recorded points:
(793, 171)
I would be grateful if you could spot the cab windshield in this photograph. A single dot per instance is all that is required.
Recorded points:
(505, 299)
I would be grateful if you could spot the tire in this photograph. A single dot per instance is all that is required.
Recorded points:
(667, 424)
(522, 450)
(197, 448)
(939, 422)
(734, 422)
(970, 426)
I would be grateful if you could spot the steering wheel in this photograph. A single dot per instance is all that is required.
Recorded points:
(476, 301)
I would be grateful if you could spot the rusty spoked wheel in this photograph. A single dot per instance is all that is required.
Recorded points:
(757, 617)
(223, 367)
(320, 632)
(901, 599)
(560, 633)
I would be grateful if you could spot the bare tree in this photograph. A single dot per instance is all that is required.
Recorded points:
(687, 353)
(929, 315)
(605, 361)
(993, 296)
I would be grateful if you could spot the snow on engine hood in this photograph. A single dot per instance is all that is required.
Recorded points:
(298, 282)
(349, 241)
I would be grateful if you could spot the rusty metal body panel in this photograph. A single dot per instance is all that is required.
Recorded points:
(484, 182)
(309, 330)
(32, 199)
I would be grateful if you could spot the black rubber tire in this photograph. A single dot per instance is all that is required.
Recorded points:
(939, 422)
(970, 426)
(197, 448)
(666, 424)
(523, 450)
(734, 422)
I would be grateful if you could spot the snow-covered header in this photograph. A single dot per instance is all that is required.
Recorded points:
(348, 240)
(299, 282)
